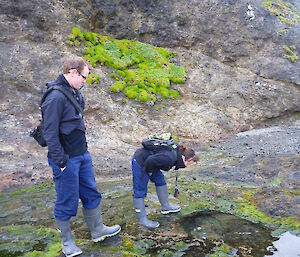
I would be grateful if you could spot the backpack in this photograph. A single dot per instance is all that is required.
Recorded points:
(159, 142)
(37, 132)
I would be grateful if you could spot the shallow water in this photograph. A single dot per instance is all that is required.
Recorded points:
(245, 237)
(197, 234)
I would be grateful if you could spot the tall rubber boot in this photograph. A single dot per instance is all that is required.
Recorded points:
(68, 246)
(98, 230)
(140, 211)
(163, 197)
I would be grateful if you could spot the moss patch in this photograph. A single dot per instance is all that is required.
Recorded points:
(290, 53)
(222, 251)
(29, 241)
(92, 79)
(284, 10)
(142, 71)
(21, 191)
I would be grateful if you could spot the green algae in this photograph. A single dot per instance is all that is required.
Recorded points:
(143, 72)
(285, 11)
(29, 241)
(221, 251)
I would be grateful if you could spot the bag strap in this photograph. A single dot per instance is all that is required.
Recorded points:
(67, 95)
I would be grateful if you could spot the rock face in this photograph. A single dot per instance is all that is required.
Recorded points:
(237, 76)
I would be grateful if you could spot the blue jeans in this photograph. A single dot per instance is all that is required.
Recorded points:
(76, 181)
(141, 179)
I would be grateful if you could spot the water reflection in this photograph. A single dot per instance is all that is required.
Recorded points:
(287, 245)
(245, 237)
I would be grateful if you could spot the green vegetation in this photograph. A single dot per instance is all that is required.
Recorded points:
(246, 208)
(289, 53)
(36, 188)
(142, 71)
(34, 242)
(284, 10)
(281, 31)
(222, 251)
(92, 78)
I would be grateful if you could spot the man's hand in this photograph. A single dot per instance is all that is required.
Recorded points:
(62, 169)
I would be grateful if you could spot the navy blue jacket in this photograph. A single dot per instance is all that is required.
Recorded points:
(164, 160)
(60, 120)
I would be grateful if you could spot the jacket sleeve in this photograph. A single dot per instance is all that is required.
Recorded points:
(160, 161)
(52, 109)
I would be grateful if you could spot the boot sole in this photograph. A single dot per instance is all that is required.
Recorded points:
(170, 211)
(73, 254)
(99, 239)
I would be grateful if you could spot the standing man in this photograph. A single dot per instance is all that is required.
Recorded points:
(68, 156)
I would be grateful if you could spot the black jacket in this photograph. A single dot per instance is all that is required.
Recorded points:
(64, 128)
(164, 160)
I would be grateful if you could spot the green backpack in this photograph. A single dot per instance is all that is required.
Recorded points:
(159, 142)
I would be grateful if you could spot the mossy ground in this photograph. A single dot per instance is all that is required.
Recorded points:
(197, 194)
(141, 71)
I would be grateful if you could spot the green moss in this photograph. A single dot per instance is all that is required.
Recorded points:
(197, 206)
(222, 251)
(284, 10)
(92, 78)
(164, 92)
(174, 94)
(42, 242)
(246, 208)
(281, 31)
(32, 189)
(289, 53)
(136, 63)
(143, 96)
(132, 248)
(117, 87)
(76, 31)
(132, 93)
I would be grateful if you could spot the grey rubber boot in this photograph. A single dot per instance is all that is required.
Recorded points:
(98, 230)
(163, 197)
(140, 211)
(67, 242)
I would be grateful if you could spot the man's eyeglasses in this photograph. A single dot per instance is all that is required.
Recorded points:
(84, 77)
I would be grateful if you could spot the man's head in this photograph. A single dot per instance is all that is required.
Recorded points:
(76, 71)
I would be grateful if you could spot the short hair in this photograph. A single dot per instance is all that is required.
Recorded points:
(74, 63)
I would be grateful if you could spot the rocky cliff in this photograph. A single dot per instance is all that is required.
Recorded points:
(241, 60)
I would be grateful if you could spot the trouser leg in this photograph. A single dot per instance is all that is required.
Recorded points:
(67, 188)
